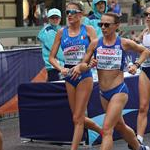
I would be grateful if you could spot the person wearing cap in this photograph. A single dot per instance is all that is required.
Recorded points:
(46, 36)
(99, 7)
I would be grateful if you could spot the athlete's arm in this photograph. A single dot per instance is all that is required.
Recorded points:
(54, 50)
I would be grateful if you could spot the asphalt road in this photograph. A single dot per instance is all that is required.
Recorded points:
(12, 140)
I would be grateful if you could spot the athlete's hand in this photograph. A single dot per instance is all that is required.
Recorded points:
(132, 69)
(75, 72)
(93, 63)
(64, 71)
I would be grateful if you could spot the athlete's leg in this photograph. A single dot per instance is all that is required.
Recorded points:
(92, 126)
(82, 95)
(127, 133)
(113, 113)
(144, 97)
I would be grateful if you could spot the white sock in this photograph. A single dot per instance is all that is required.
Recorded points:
(140, 138)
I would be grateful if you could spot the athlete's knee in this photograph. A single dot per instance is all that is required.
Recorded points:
(144, 108)
(120, 126)
(78, 119)
(107, 130)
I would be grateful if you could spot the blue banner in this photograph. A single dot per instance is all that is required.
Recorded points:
(16, 67)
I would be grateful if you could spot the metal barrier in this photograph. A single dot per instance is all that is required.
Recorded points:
(19, 32)
(22, 33)
(33, 31)
(128, 30)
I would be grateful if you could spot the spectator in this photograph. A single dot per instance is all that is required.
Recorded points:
(99, 7)
(114, 7)
(32, 10)
(137, 7)
(40, 12)
(47, 36)
(137, 10)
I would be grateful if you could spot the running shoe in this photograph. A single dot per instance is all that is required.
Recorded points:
(142, 147)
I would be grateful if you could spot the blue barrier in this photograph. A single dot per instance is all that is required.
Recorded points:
(16, 67)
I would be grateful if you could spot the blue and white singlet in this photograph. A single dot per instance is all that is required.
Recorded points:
(74, 48)
(110, 57)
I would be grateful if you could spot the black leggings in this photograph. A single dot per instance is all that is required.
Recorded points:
(53, 75)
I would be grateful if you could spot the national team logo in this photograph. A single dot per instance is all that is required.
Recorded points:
(82, 37)
(65, 40)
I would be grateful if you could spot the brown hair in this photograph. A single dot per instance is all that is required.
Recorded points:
(80, 7)
(114, 15)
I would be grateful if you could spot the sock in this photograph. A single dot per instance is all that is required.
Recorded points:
(140, 138)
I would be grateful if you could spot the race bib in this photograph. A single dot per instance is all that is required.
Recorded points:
(74, 54)
(109, 59)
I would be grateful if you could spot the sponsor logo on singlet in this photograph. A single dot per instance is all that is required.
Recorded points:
(109, 58)
(74, 54)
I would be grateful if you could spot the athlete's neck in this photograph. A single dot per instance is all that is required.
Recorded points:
(109, 40)
(74, 29)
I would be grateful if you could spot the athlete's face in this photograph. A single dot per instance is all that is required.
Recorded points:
(108, 25)
(147, 16)
(54, 20)
(73, 14)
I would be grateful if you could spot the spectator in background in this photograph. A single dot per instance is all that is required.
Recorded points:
(99, 7)
(114, 7)
(137, 10)
(40, 12)
(46, 36)
(32, 10)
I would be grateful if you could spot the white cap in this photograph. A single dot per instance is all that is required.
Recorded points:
(54, 11)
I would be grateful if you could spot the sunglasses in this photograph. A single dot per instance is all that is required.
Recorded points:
(106, 25)
(72, 11)
(146, 14)
(54, 17)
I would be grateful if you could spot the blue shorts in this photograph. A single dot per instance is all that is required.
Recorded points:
(147, 71)
(80, 78)
(122, 88)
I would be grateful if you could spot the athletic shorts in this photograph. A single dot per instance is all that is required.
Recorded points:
(122, 88)
(147, 71)
(79, 79)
